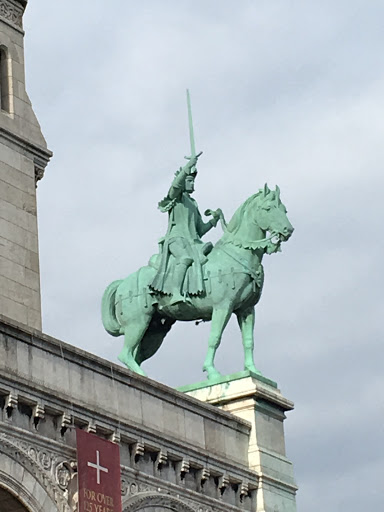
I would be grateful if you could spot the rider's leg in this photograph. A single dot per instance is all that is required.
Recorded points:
(178, 280)
(178, 249)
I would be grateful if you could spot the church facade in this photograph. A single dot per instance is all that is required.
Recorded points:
(208, 449)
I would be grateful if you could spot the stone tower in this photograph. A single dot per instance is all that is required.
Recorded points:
(23, 157)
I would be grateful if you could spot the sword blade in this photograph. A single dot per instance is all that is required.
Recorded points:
(191, 134)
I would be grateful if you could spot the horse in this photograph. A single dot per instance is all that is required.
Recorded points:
(233, 278)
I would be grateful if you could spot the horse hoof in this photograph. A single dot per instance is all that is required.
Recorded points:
(131, 365)
(212, 373)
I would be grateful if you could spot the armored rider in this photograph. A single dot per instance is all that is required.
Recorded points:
(182, 248)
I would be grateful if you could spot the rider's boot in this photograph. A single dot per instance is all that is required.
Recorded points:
(178, 279)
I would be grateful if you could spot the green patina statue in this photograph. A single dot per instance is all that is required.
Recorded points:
(190, 280)
(182, 250)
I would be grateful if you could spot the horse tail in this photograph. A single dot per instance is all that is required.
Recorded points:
(108, 314)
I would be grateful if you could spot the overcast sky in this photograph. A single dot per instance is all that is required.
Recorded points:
(285, 92)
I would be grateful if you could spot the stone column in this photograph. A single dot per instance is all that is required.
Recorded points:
(258, 401)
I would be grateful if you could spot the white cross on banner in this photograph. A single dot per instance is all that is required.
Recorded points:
(97, 467)
(98, 463)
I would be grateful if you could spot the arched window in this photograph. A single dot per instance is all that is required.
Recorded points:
(4, 80)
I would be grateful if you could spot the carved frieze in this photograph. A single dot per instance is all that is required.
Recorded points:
(12, 12)
(160, 501)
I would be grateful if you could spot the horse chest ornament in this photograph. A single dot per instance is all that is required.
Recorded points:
(192, 280)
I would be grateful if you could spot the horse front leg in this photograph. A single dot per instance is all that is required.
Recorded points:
(220, 319)
(246, 321)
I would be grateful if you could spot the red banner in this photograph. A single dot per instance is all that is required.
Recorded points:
(98, 465)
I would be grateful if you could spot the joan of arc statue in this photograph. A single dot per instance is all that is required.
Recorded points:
(182, 251)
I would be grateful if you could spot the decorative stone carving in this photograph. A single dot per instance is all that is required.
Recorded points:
(244, 490)
(138, 449)
(159, 501)
(45, 479)
(184, 467)
(63, 475)
(12, 401)
(65, 422)
(38, 411)
(161, 459)
(116, 437)
(39, 173)
(91, 428)
(204, 474)
(46, 460)
(12, 11)
(223, 483)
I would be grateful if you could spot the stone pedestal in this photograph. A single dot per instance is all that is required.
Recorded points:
(258, 400)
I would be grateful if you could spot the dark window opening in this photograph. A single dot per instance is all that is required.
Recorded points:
(4, 81)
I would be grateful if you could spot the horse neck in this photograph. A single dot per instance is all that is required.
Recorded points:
(241, 242)
(246, 234)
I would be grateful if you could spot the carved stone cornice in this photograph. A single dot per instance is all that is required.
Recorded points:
(12, 11)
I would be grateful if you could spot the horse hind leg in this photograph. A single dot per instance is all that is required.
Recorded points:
(220, 319)
(133, 334)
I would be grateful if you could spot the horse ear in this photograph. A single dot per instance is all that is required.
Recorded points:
(277, 192)
(266, 190)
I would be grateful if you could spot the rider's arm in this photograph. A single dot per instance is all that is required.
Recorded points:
(178, 184)
(203, 227)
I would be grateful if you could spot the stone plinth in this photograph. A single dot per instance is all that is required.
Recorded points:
(258, 400)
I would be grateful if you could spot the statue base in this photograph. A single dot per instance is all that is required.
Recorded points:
(258, 400)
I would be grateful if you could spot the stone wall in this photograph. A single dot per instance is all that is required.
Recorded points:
(23, 157)
(176, 452)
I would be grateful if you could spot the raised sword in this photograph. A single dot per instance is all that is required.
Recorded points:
(191, 133)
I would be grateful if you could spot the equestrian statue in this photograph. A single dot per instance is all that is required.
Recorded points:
(189, 280)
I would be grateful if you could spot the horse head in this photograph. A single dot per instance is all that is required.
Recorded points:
(259, 223)
(270, 215)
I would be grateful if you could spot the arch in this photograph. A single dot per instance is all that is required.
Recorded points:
(23, 478)
(10, 503)
(151, 502)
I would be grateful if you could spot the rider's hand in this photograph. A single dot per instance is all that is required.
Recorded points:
(193, 161)
(215, 218)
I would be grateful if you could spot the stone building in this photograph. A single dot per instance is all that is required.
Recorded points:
(210, 449)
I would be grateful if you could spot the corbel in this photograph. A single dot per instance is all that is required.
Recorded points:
(65, 421)
(184, 468)
(223, 483)
(161, 458)
(91, 427)
(115, 437)
(244, 490)
(203, 475)
(11, 403)
(38, 413)
(138, 450)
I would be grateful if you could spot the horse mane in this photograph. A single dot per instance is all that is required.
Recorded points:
(235, 223)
